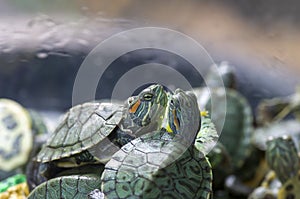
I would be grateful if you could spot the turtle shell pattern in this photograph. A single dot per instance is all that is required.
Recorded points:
(69, 187)
(237, 129)
(157, 165)
(82, 127)
(16, 137)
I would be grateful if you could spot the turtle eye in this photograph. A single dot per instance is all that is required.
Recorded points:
(147, 96)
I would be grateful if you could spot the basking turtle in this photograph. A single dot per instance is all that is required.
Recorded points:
(282, 158)
(91, 132)
(94, 131)
(19, 130)
(162, 164)
(237, 129)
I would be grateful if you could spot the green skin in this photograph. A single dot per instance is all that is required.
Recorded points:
(162, 164)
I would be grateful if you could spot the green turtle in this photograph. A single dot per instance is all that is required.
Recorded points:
(90, 133)
(162, 164)
(282, 157)
(238, 128)
(16, 138)
(283, 160)
(96, 130)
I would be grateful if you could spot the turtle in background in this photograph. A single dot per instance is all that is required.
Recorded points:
(162, 164)
(282, 181)
(90, 133)
(20, 131)
(278, 108)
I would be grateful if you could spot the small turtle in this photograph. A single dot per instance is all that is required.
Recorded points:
(91, 132)
(16, 136)
(238, 128)
(102, 127)
(282, 158)
(162, 164)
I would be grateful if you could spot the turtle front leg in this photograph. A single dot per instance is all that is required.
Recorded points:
(123, 137)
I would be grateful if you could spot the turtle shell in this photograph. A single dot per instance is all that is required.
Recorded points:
(81, 128)
(157, 165)
(282, 157)
(16, 138)
(73, 186)
(237, 129)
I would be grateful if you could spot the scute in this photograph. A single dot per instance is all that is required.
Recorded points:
(81, 128)
(180, 173)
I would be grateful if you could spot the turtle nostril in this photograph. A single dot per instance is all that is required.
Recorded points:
(130, 100)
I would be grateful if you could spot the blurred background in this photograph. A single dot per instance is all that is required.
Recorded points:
(43, 43)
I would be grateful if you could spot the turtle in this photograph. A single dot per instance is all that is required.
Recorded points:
(91, 132)
(278, 108)
(283, 160)
(238, 121)
(19, 133)
(165, 163)
(102, 126)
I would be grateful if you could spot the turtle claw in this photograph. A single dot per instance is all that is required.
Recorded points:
(96, 194)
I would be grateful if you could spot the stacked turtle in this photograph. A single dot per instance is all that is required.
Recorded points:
(158, 155)
(237, 129)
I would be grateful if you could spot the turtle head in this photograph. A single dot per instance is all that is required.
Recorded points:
(227, 74)
(183, 115)
(148, 107)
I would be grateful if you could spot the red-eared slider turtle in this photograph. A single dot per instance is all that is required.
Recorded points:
(91, 132)
(16, 138)
(98, 129)
(162, 164)
(283, 159)
(237, 130)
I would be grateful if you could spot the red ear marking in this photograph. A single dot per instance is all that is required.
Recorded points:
(135, 106)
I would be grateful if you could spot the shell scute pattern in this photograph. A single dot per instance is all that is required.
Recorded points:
(83, 127)
(180, 173)
(63, 187)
